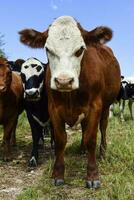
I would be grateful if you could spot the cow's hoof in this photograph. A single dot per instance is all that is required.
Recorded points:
(33, 162)
(93, 184)
(59, 182)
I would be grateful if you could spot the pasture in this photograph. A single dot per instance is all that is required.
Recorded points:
(18, 181)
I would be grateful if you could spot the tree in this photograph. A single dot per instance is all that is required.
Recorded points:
(2, 54)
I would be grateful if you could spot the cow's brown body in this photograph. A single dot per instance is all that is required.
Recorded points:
(99, 84)
(11, 94)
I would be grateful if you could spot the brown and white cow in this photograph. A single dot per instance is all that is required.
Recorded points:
(83, 80)
(11, 95)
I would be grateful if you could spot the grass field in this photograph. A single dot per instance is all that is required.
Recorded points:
(116, 171)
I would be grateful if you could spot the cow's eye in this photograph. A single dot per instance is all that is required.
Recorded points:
(50, 51)
(26, 66)
(79, 52)
(38, 68)
(47, 50)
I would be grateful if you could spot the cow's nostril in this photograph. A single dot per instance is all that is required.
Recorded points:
(71, 80)
(56, 80)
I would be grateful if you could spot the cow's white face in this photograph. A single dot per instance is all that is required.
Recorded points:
(32, 74)
(65, 47)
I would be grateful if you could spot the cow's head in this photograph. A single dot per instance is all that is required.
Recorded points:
(32, 74)
(131, 90)
(5, 76)
(124, 90)
(16, 65)
(127, 90)
(65, 42)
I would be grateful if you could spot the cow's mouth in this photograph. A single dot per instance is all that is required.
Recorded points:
(33, 97)
(64, 90)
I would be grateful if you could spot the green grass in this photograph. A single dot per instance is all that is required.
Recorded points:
(116, 171)
(30, 193)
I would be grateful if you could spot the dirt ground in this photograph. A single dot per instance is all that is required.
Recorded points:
(16, 176)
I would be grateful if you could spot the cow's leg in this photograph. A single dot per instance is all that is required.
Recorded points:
(8, 129)
(60, 142)
(111, 111)
(89, 140)
(52, 136)
(82, 147)
(122, 106)
(130, 102)
(103, 126)
(13, 136)
(36, 135)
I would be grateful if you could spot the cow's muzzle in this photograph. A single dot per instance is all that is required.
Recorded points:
(64, 84)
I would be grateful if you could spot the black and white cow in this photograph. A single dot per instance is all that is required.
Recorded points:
(35, 102)
(126, 94)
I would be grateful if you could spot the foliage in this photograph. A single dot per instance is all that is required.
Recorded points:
(2, 54)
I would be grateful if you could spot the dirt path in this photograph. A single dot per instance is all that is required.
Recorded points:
(14, 179)
(16, 176)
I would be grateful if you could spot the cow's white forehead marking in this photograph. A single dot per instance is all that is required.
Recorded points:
(31, 71)
(63, 41)
(64, 34)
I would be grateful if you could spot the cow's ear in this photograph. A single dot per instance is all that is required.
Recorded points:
(33, 38)
(19, 62)
(44, 65)
(10, 62)
(100, 35)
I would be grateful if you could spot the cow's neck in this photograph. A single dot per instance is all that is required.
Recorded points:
(71, 100)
